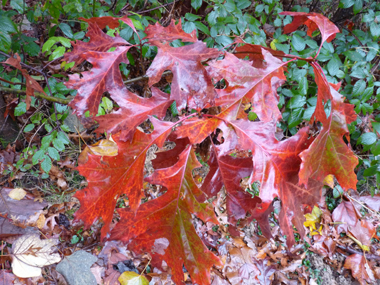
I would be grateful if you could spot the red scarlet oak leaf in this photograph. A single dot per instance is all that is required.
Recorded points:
(163, 226)
(191, 83)
(110, 176)
(104, 76)
(276, 166)
(360, 269)
(111, 22)
(228, 171)
(329, 153)
(257, 84)
(313, 21)
(133, 111)
(170, 33)
(31, 84)
(99, 41)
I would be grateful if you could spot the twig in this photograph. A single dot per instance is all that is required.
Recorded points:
(353, 251)
(10, 82)
(23, 64)
(144, 77)
(158, 7)
(69, 98)
(364, 206)
(38, 95)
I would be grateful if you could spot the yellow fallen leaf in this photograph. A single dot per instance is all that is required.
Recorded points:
(273, 44)
(312, 219)
(329, 181)
(104, 148)
(17, 194)
(132, 278)
(101, 148)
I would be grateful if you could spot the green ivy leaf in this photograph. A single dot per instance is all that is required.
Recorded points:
(375, 29)
(46, 164)
(298, 42)
(18, 5)
(358, 6)
(28, 128)
(53, 153)
(38, 156)
(367, 139)
(66, 30)
(20, 109)
(358, 88)
(196, 4)
(333, 66)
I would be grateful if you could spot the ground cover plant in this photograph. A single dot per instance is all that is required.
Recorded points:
(209, 123)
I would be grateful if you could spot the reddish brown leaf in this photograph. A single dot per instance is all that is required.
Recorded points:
(228, 171)
(266, 271)
(197, 129)
(363, 231)
(109, 177)
(31, 84)
(191, 84)
(170, 33)
(111, 22)
(99, 41)
(6, 277)
(313, 21)
(163, 226)
(133, 111)
(104, 76)
(372, 202)
(258, 85)
(329, 154)
(360, 268)
(346, 214)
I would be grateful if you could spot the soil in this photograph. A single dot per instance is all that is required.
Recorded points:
(327, 275)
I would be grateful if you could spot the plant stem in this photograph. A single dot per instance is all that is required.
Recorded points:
(38, 95)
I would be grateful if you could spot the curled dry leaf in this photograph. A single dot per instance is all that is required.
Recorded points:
(30, 254)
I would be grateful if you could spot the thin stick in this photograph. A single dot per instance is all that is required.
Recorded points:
(38, 95)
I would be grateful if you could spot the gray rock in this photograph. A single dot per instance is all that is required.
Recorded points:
(76, 268)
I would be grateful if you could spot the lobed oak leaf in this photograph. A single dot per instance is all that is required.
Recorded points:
(163, 226)
(276, 167)
(357, 263)
(197, 129)
(133, 111)
(228, 171)
(313, 21)
(31, 84)
(256, 84)
(254, 52)
(104, 76)
(329, 154)
(99, 41)
(111, 22)
(170, 33)
(110, 176)
(191, 83)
